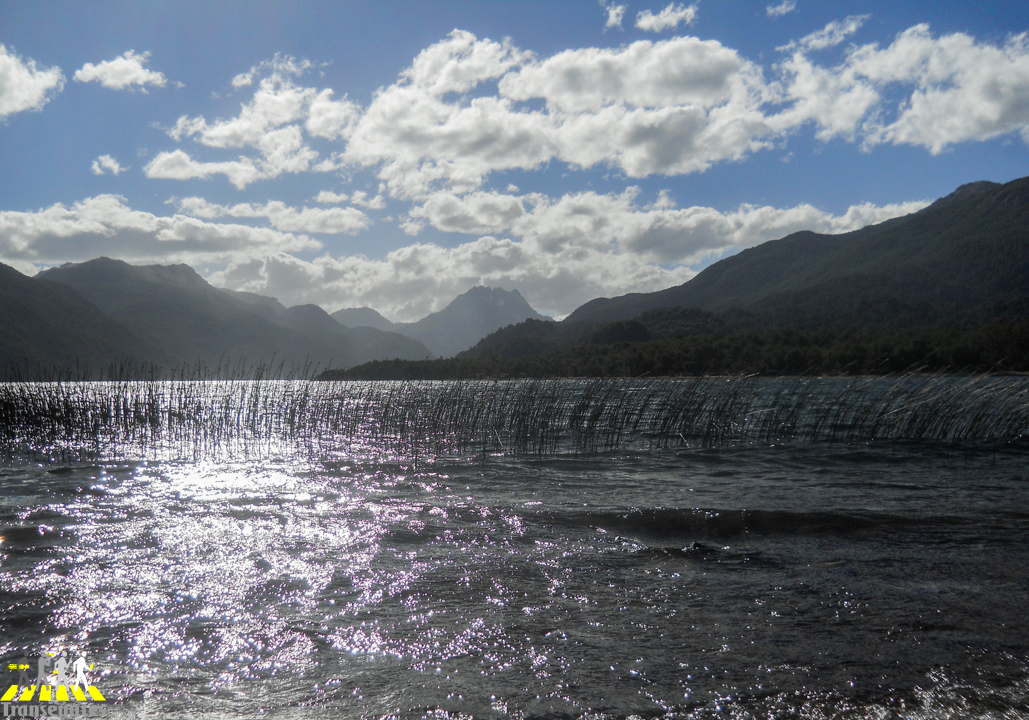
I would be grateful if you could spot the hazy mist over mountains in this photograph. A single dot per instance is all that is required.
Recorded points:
(174, 316)
(89, 315)
(457, 327)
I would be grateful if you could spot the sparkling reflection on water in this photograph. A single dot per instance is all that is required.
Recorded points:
(827, 580)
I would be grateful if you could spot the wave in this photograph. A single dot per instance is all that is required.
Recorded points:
(691, 523)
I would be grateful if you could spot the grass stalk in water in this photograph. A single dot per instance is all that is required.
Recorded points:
(194, 418)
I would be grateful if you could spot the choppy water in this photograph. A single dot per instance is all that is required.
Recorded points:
(825, 580)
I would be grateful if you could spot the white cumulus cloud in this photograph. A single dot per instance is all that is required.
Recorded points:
(615, 13)
(107, 164)
(276, 102)
(677, 106)
(330, 118)
(360, 197)
(419, 137)
(836, 99)
(24, 85)
(273, 124)
(327, 197)
(125, 71)
(962, 89)
(671, 107)
(668, 19)
(950, 89)
(682, 71)
(467, 108)
(178, 165)
(478, 212)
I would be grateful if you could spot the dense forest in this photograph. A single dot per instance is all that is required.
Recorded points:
(997, 346)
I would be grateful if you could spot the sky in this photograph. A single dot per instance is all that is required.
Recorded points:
(395, 154)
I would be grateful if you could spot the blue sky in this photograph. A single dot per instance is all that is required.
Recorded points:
(394, 154)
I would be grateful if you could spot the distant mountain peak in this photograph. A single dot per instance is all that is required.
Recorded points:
(105, 269)
(484, 296)
(490, 305)
(468, 318)
(362, 317)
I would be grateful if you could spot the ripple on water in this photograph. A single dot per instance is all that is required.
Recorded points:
(746, 583)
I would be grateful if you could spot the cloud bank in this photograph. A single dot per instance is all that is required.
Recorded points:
(559, 252)
(438, 140)
(106, 225)
(467, 108)
(334, 221)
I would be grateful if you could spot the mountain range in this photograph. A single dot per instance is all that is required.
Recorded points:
(960, 263)
(106, 312)
(969, 248)
(108, 317)
(945, 288)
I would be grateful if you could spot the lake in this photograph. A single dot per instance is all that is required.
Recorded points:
(732, 547)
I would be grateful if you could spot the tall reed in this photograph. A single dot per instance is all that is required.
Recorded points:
(197, 418)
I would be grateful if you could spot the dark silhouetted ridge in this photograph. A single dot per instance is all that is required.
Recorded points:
(184, 320)
(963, 250)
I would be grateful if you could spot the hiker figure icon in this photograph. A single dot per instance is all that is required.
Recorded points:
(23, 667)
(80, 672)
(42, 672)
(61, 670)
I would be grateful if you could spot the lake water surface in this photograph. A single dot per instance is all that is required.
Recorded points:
(813, 579)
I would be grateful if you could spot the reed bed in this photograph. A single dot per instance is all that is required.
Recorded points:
(195, 419)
